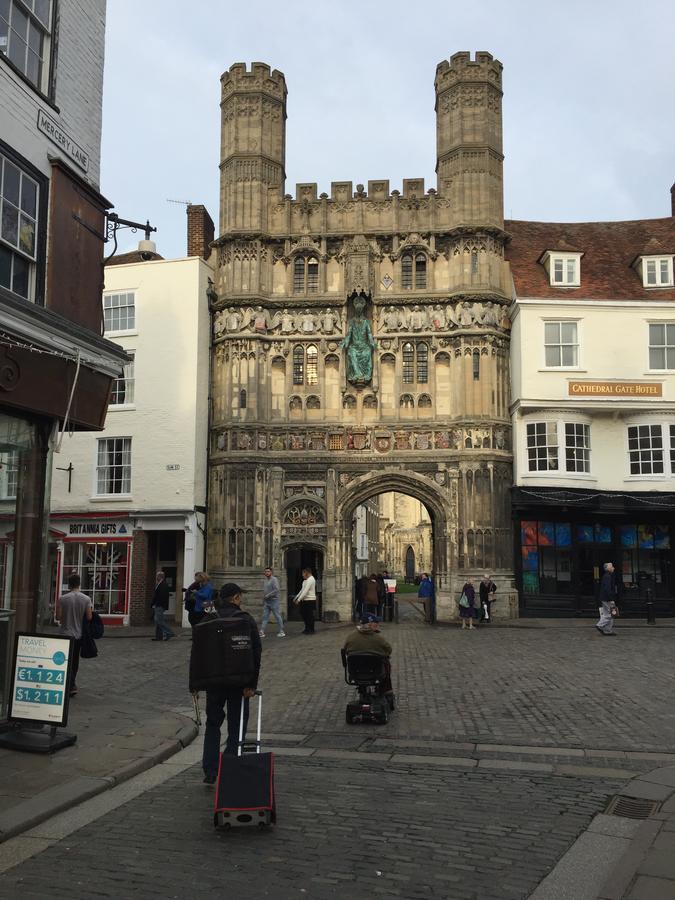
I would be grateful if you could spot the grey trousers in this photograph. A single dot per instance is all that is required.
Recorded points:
(606, 621)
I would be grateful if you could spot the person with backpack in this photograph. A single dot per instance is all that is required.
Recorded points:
(228, 686)
(76, 608)
(204, 595)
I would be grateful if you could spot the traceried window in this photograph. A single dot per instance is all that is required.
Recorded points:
(657, 271)
(542, 446)
(662, 345)
(123, 388)
(242, 399)
(305, 275)
(476, 365)
(577, 447)
(299, 365)
(415, 362)
(113, 466)
(19, 197)
(561, 344)
(413, 271)
(312, 365)
(119, 312)
(25, 38)
(645, 449)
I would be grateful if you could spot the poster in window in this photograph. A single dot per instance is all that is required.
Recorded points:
(585, 534)
(603, 534)
(563, 534)
(645, 537)
(530, 583)
(628, 536)
(528, 533)
(662, 537)
(530, 559)
(546, 534)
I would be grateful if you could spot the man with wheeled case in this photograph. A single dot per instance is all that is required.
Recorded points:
(225, 661)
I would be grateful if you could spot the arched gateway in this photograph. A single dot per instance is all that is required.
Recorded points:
(360, 345)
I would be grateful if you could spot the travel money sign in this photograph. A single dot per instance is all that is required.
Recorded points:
(40, 679)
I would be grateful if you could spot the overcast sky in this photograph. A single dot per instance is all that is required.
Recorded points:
(589, 131)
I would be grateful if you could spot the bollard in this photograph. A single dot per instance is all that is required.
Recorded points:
(651, 615)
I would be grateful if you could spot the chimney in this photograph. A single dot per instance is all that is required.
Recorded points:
(672, 200)
(200, 231)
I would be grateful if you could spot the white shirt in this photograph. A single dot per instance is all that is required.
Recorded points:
(308, 590)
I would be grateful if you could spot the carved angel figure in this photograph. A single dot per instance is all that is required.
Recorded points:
(219, 323)
(330, 321)
(260, 319)
(307, 323)
(418, 319)
(452, 319)
(284, 320)
(437, 318)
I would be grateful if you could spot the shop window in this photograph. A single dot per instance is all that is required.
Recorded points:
(662, 345)
(119, 312)
(561, 344)
(645, 450)
(26, 38)
(305, 275)
(102, 568)
(113, 466)
(123, 388)
(19, 203)
(577, 447)
(645, 559)
(546, 557)
(542, 446)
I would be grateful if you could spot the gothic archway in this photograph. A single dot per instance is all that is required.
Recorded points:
(410, 565)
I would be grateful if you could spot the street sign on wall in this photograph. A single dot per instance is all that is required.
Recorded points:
(40, 671)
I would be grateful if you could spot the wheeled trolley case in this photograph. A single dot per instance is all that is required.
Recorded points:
(245, 783)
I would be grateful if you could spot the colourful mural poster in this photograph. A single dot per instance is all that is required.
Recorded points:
(585, 534)
(530, 559)
(628, 536)
(546, 534)
(563, 534)
(662, 537)
(603, 534)
(530, 582)
(528, 533)
(645, 537)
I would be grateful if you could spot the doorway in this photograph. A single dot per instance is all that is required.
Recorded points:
(410, 566)
(299, 557)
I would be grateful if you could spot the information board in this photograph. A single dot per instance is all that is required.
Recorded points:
(40, 671)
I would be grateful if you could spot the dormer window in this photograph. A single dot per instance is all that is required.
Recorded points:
(657, 271)
(564, 269)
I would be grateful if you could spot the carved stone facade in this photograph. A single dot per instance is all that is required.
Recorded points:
(295, 447)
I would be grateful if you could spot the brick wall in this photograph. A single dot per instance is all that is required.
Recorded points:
(200, 231)
(142, 581)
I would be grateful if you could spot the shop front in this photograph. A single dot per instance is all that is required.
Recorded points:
(563, 538)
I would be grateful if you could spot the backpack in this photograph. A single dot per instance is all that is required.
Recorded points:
(222, 653)
(96, 627)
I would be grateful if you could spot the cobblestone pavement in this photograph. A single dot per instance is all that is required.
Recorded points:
(359, 814)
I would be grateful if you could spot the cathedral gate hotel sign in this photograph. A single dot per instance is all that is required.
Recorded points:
(615, 389)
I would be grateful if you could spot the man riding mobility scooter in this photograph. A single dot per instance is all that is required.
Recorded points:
(365, 657)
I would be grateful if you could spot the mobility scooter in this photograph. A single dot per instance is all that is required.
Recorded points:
(367, 671)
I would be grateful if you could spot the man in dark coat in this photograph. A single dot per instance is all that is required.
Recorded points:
(607, 598)
(218, 698)
(160, 604)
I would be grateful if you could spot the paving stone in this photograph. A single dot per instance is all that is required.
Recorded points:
(659, 864)
(412, 759)
(648, 888)
(665, 775)
(513, 766)
(592, 772)
(647, 790)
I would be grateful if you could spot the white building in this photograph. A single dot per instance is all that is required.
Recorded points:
(56, 366)
(132, 499)
(593, 406)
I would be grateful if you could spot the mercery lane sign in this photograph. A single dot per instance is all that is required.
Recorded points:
(63, 141)
(40, 679)
(615, 389)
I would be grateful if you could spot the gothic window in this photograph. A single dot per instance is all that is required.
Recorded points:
(413, 271)
(304, 514)
(407, 401)
(295, 403)
(242, 399)
(299, 365)
(370, 402)
(305, 275)
(312, 364)
(349, 402)
(476, 365)
(313, 403)
(415, 363)
(474, 262)
(232, 547)
(424, 402)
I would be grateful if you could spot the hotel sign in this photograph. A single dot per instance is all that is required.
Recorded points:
(615, 389)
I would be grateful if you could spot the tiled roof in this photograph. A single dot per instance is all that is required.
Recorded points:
(609, 248)
(134, 256)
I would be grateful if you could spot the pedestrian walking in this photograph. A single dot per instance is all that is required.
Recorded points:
(229, 697)
(271, 603)
(371, 599)
(467, 605)
(204, 596)
(607, 597)
(306, 599)
(486, 594)
(189, 601)
(75, 608)
(425, 594)
(160, 604)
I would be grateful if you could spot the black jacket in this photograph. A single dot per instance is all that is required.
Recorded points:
(161, 595)
(228, 610)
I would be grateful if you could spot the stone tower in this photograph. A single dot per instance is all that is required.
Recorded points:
(303, 432)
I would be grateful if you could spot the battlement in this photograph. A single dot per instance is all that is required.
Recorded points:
(461, 68)
(343, 191)
(260, 78)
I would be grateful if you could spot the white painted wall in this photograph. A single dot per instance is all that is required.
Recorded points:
(78, 97)
(613, 346)
(169, 417)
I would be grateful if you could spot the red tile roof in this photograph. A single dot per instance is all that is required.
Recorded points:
(134, 256)
(609, 248)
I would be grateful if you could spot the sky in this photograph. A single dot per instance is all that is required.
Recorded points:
(589, 131)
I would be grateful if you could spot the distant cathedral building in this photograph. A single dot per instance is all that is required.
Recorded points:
(361, 346)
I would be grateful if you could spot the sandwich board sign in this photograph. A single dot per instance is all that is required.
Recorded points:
(39, 692)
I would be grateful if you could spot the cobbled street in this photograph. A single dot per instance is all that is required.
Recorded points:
(504, 745)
